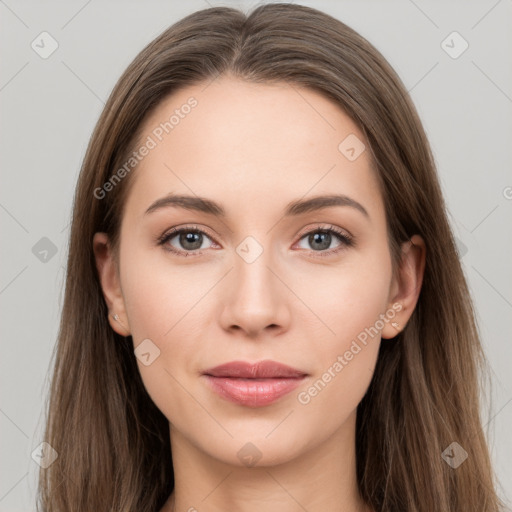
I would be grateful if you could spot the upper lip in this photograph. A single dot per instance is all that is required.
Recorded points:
(259, 370)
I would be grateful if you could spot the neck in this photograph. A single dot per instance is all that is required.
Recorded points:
(322, 478)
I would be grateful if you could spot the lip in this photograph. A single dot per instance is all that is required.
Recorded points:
(253, 385)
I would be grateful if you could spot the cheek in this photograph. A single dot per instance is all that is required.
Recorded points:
(348, 302)
(345, 359)
(346, 298)
(166, 303)
(160, 296)
(162, 305)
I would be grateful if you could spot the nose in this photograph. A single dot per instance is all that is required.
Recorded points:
(255, 299)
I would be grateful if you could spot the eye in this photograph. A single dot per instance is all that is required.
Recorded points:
(189, 241)
(321, 239)
(185, 241)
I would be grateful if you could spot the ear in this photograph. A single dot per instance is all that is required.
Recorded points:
(405, 288)
(110, 283)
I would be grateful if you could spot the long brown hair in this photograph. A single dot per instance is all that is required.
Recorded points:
(113, 443)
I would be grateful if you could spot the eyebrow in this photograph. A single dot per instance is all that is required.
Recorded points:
(297, 207)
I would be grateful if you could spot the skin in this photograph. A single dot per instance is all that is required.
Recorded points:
(254, 148)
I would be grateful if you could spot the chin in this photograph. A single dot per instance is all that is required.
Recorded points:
(255, 450)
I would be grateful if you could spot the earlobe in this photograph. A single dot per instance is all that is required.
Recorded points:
(110, 284)
(120, 328)
(407, 286)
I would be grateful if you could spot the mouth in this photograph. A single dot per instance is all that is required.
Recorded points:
(253, 385)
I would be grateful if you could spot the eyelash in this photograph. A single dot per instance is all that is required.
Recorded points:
(345, 239)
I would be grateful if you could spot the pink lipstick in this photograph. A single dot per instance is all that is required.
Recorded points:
(253, 385)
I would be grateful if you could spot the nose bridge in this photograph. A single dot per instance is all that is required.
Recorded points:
(255, 297)
(254, 284)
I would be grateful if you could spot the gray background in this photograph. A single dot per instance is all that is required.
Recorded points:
(48, 110)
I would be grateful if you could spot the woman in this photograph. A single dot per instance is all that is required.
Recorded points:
(264, 305)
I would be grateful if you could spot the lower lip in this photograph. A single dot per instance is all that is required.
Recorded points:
(253, 392)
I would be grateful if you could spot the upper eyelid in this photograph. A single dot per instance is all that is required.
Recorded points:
(324, 227)
(176, 231)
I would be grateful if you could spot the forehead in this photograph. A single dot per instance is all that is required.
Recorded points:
(246, 144)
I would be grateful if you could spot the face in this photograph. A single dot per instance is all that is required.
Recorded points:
(310, 288)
